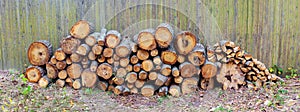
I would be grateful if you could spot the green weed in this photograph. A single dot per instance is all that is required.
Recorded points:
(26, 91)
(161, 99)
(222, 109)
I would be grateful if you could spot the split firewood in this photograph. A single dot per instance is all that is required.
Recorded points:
(166, 70)
(60, 83)
(134, 59)
(197, 55)
(164, 35)
(108, 52)
(147, 65)
(52, 71)
(59, 54)
(147, 90)
(39, 52)
(102, 85)
(69, 44)
(124, 49)
(143, 75)
(112, 38)
(185, 42)
(105, 71)
(139, 83)
(44, 82)
(77, 84)
(153, 76)
(187, 69)
(248, 56)
(154, 52)
(163, 91)
(142, 54)
(34, 73)
(75, 57)
(81, 29)
(62, 74)
(74, 70)
(175, 90)
(131, 77)
(145, 39)
(209, 70)
(89, 78)
(91, 40)
(161, 79)
(124, 62)
(189, 85)
(60, 65)
(101, 37)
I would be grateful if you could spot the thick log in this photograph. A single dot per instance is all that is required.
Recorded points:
(91, 40)
(147, 65)
(169, 57)
(89, 78)
(164, 35)
(52, 71)
(147, 90)
(209, 70)
(166, 70)
(197, 55)
(124, 62)
(60, 55)
(34, 73)
(142, 54)
(139, 83)
(62, 74)
(81, 29)
(153, 76)
(112, 39)
(77, 84)
(143, 75)
(44, 82)
(105, 71)
(97, 49)
(124, 49)
(187, 69)
(145, 39)
(134, 59)
(69, 45)
(108, 52)
(60, 83)
(74, 70)
(161, 79)
(121, 72)
(189, 85)
(131, 77)
(175, 90)
(185, 42)
(75, 57)
(83, 49)
(39, 52)
(60, 65)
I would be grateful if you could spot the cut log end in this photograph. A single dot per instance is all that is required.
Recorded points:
(34, 73)
(81, 29)
(39, 52)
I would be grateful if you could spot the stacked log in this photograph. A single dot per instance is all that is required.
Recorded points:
(154, 61)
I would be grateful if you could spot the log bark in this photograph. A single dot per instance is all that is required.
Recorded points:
(52, 71)
(44, 82)
(145, 39)
(74, 70)
(209, 70)
(94, 65)
(60, 55)
(185, 42)
(39, 52)
(89, 78)
(197, 55)
(164, 35)
(81, 29)
(101, 37)
(34, 73)
(147, 90)
(105, 71)
(187, 69)
(69, 45)
(112, 38)
(147, 65)
(161, 79)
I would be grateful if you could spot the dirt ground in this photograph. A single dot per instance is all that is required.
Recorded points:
(16, 95)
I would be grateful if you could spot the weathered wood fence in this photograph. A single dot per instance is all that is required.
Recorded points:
(268, 29)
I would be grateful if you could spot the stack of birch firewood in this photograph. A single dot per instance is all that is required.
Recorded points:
(154, 61)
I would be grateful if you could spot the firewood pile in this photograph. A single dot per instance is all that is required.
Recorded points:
(154, 61)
